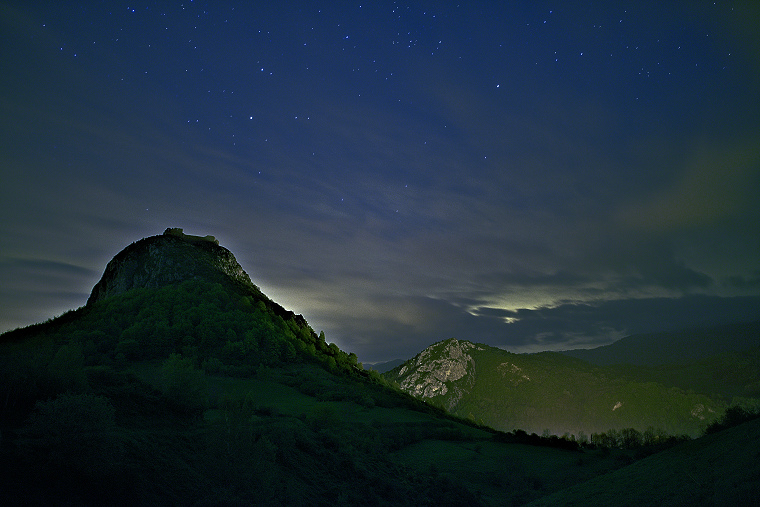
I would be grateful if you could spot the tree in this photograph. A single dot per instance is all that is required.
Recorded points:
(184, 386)
(649, 436)
(733, 416)
(630, 438)
(130, 348)
(67, 369)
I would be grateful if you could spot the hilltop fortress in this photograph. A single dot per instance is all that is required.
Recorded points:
(177, 232)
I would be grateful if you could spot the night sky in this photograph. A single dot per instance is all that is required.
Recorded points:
(536, 176)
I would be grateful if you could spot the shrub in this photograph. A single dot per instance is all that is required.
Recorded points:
(75, 432)
(323, 416)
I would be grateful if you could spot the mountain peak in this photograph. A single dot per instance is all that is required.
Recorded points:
(178, 232)
(442, 367)
(170, 258)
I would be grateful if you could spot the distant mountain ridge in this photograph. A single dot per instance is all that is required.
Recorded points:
(678, 347)
(547, 391)
(384, 366)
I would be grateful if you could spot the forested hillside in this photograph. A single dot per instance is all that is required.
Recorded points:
(550, 392)
(190, 394)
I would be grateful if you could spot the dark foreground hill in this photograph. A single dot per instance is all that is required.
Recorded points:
(180, 383)
(719, 469)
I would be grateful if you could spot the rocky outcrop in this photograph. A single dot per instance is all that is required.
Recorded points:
(444, 372)
(512, 373)
(168, 259)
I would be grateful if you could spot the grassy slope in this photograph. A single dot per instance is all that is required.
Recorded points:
(498, 473)
(718, 469)
(509, 474)
(308, 429)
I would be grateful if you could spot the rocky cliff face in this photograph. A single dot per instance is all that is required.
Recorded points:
(445, 369)
(167, 259)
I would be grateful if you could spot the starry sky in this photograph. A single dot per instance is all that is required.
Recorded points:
(531, 175)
